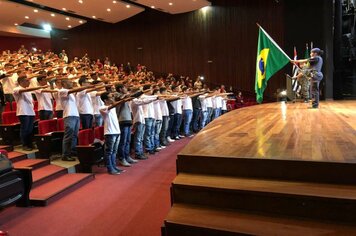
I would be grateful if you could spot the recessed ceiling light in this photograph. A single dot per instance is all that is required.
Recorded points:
(35, 10)
(108, 9)
(53, 15)
(128, 6)
(27, 17)
(67, 18)
(80, 1)
(94, 17)
(81, 22)
(170, 4)
(69, 26)
(64, 9)
(16, 24)
(152, 7)
(114, 2)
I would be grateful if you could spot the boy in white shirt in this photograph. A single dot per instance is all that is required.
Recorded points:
(71, 118)
(44, 98)
(85, 106)
(111, 132)
(25, 112)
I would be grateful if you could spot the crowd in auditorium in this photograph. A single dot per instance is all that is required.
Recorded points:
(130, 102)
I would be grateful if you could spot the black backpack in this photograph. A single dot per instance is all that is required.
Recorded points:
(5, 164)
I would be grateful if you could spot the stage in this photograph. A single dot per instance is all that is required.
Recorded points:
(288, 131)
(281, 167)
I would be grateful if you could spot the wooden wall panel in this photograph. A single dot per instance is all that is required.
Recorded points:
(14, 43)
(226, 34)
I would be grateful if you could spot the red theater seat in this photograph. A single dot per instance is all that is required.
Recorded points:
(60, 124)
(49, 139)
(89, 153)
(99, 133)
(10, 127)
(7, 107)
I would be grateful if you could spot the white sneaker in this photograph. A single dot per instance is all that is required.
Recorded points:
(181, 136)
(163, 147)
(159, 148)
(170, 140)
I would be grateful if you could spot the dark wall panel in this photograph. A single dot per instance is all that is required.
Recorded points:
(226, 34)
(14, 43)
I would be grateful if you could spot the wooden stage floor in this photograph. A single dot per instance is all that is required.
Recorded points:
(282, 131)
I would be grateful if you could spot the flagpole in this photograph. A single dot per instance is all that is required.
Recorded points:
(275, 44)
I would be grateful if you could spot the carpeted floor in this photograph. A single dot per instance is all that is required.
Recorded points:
(134, 203)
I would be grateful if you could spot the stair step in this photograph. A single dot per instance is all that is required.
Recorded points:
(194, 220)
(34, 163)
(302, 199)
(46, 173)
(16, 156)
(8, 148)
(263, 168)
(50, 191)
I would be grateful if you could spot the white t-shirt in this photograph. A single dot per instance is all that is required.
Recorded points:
(68, 103)
(209, 102)
(58, 101)
(111, 123)
(24, 102)
(137, 110)
(96, 102)
(187, 103)
(9, 83)
(157, 110)
(44, 100)
(148, 108)
(177, 105)
(84, 103)
(223, 105)
(202, 99)
(164, 107)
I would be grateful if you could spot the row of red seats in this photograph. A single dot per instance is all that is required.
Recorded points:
(14, 106)
(231, 105)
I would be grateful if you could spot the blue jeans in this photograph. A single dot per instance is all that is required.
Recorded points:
(204, 117)
(125, 140)
(157, 130)
(163, 133)
(176, 124)
(209, 115)
(315, 93)
(149, 132)
(217, 112)
(111, 145)
(138, 138)
(188, 114)
(195, 120)
(26, 130)
(70, 138)
(87, 121)
(59, 114)
(98, 119)
(45, 115)
(170, 126)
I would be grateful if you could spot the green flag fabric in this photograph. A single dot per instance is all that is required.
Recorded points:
(270, 59)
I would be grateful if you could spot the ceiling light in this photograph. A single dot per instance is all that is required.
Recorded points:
(47, 27)
(27, 17)
(152, 7)
(108, 9)
(67, 18)
(16, 24)
(64, 9)
(53, 15)
(69, 26)
(170, 4)
(114, 2)
(35, 10)
(81, 22)
(94, 17)
(80, 1)
(128, 6)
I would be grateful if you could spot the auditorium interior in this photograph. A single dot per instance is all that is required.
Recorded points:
(140, 117)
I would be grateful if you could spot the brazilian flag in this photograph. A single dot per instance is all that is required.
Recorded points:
(270, 59)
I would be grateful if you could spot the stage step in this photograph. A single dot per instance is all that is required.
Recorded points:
(16, 156)
(34, 163)
(286, 169)
(8, 148)
(309, 200)
(191, 220)
(47, 173)
(50, 191)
